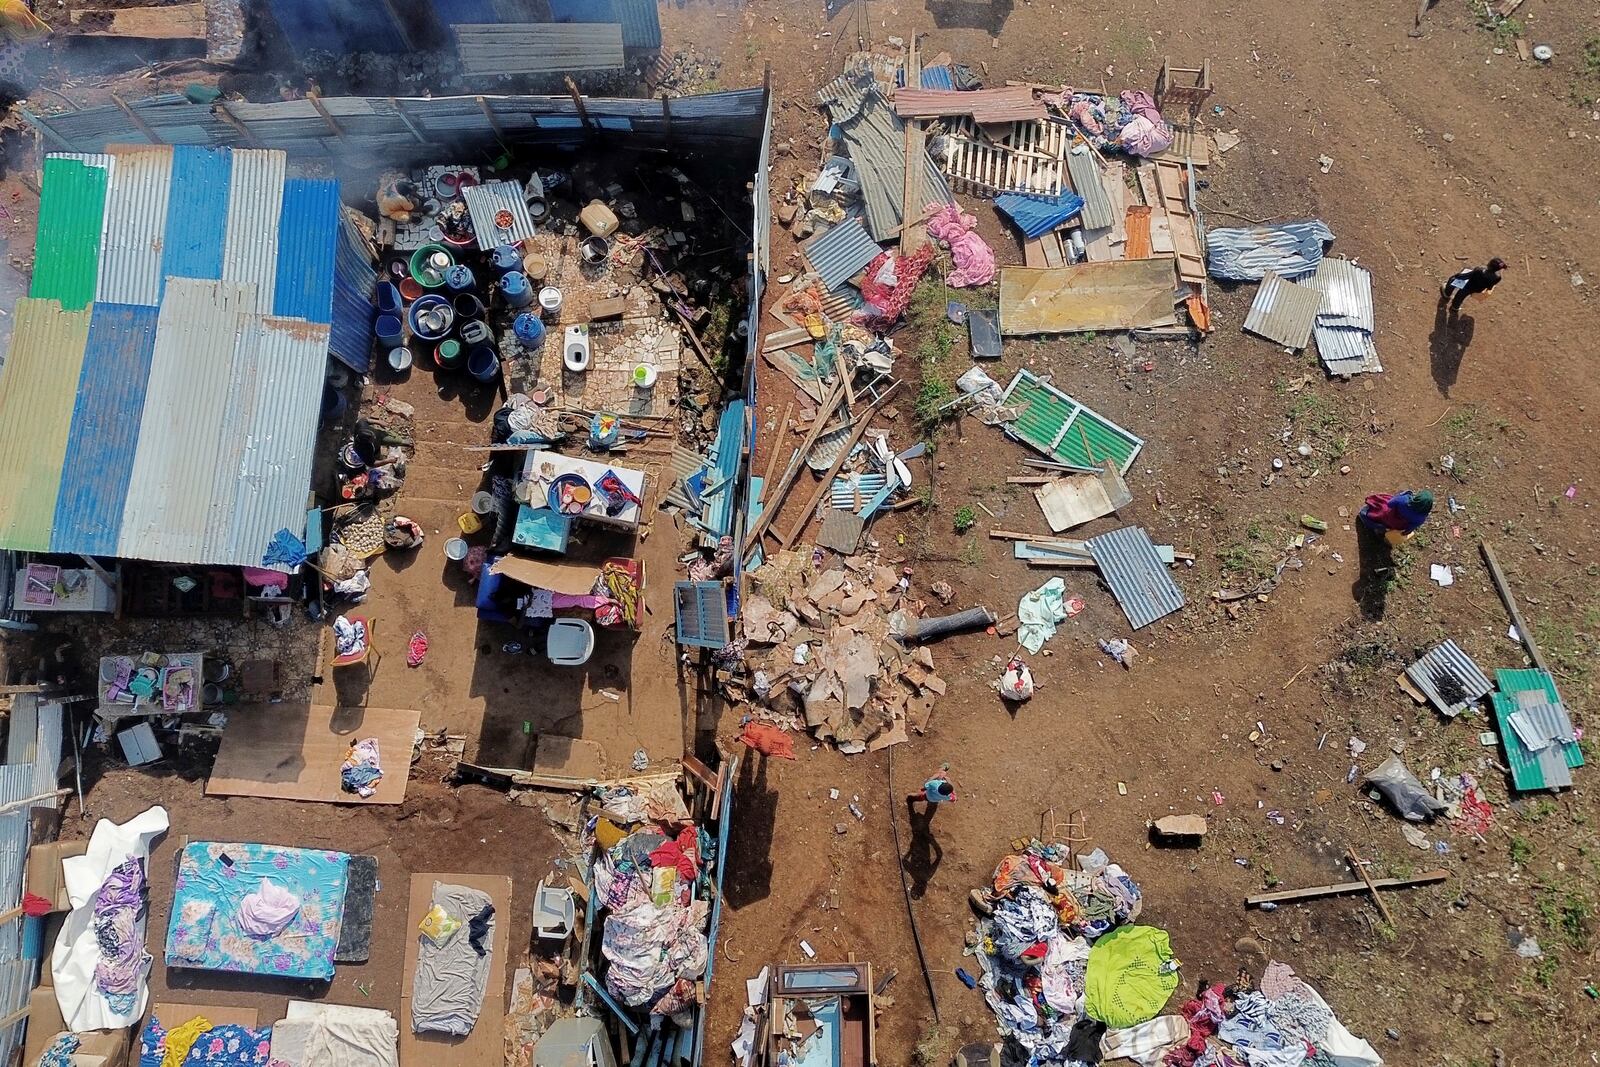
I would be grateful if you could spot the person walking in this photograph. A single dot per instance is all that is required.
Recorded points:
(1396, 516)
(935, 791)
(1473, 280)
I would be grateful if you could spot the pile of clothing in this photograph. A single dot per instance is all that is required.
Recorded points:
(646, 875)
(1035, 946)
(361, 771)
(196, 1043)
(1283, 1023)
(1131, 123)
(119, 976)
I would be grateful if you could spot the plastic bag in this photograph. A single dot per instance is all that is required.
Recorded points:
(1405, 792)
(438, 925)
(1017, 682)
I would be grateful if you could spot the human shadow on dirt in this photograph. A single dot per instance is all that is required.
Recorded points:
(1376, 569)
(749, 862)
(1447, 346)
(923, 853)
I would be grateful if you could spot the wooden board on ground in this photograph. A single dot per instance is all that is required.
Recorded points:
(570, 757)
(483, 1044)
(292, 751)
(172, 1014)
(1187, 144)
(174, 22)
(1172, 181)
(1080, 498)
(1122, 295)
(1160, 225)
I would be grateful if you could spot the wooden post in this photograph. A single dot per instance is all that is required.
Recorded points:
(45, 128)
(133, 117)
(1504, 589)
(666, 116)
(1361, 870)
(913, 234)
(327, 119)
(226, 115)
(494, 123)
(400, 109)
(577, 100)
(826, 484)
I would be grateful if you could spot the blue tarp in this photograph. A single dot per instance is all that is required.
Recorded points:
(1038, 215)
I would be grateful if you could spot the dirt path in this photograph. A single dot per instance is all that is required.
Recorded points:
(1309, 665)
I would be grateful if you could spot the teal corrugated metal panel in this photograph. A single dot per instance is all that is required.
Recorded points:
(105, 429)
(1532, 679)
(255, 206)
(1060, 427)
(71, 218)
(131, 246)
(308, 230)
(197, 213)
(38, 387)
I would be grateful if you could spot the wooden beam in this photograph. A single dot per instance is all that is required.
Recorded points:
(327, 119)
(826, 483)
(772, 460)
(494, 123)
(913, 234)
(133, 117)
(1503, 587)
(1361, 869)
(666, 116)
(109, 578)
(1284, 896)
(400, 109)
(222, 111)
(775, 495)
(577, 100)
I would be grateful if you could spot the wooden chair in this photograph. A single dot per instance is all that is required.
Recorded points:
(369, 652)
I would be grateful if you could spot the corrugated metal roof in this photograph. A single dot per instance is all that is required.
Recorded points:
(1088, 183)
(1138, 579)
(350, 340)
(489, 50)
(486, 201)
(279, 397)
(938, 76)
(1549, 768)
(1284, 312)
(197, 213)
(1345, 350)
(1288, 249)
(308, 231)
(640, 20)
(1349, 292)
(133, 235)
(255, 205)
(726, 453)
(72, 208)
(1063, 429)
(105, 429)
(1447, 667)
(173, 482)
(874, 139)
(841, 253)
(37, 389)
(1038, 215)
(1011, 103)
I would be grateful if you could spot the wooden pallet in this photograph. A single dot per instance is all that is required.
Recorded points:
(1172, 183)
(1028, 157)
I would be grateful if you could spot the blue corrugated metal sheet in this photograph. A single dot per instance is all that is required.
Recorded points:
(728, 450)
(1138, 579)
(1248, 254)
(350, 341)
(105, 429)
(641, 22)
(197, 213)
(451, 12)
(308, 231)
(938, 76)
(338, 26)
(1038, 215)
(841, 253)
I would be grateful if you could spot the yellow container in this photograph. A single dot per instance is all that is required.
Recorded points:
(469, 522)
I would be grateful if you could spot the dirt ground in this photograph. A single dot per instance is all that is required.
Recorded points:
(1438, 161)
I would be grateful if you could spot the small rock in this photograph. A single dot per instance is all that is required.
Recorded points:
(1449, 137)
(1392, 1034)
(840, 828)
(1485, 1017)
(1277, 764)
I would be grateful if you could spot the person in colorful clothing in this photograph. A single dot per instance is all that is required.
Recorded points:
(935, 791)
(1397, 516)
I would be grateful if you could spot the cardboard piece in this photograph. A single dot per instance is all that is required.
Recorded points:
(571, 757)
(99, 1048)
(484, 1044)
(293, 752)
(44, 873)
(573, 579)
(219, 1015)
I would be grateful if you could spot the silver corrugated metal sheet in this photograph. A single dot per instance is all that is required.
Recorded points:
(1450, 668)
(135, 223)
(173, 484)
(874, 139)
(487, 200)
(1138, 579)
(1247, 254)
(1349, 294)
(841, 253)
(1284, 312)
(550, 48)
(255, 206)
(284, 391)
(1345, 350)
(1088, 183)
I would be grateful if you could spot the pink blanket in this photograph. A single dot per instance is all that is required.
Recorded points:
(974, 259)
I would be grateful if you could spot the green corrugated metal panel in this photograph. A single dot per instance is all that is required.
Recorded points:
(1511, 682)
(38, 389)
(1060, 427)
(71, 218)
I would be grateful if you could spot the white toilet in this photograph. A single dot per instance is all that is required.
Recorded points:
(575, 348)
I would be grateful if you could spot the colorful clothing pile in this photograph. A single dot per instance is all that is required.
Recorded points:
(974, 259)
(123, 960)
(204, 1045)
(361, 772)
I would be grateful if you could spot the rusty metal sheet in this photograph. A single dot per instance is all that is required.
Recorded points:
(1012, 103)
(1122, 295)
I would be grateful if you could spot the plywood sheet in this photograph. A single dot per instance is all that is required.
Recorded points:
(483, 1045)
(293, 752)
(1122, 295)
(572, 579)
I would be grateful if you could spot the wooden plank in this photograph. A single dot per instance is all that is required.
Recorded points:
(1172, 183)
(769, 510)
(913, 234)
(176, 22)
(1361, 869)
(1339, 889)
(826, 483)
(1503, 587)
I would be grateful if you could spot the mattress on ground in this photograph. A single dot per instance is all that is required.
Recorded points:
(214, 880)
(451, 978)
